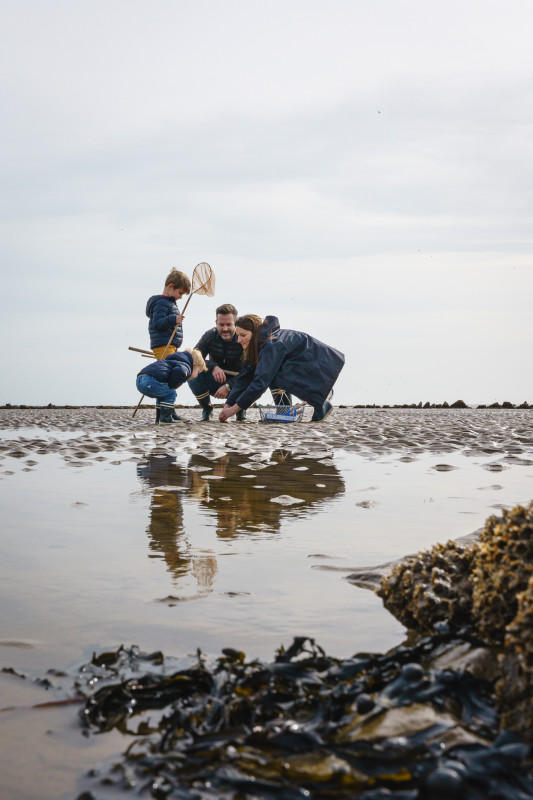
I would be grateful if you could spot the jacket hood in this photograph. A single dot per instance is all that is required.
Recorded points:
(184, 357)
(152, 301)
(269, 326)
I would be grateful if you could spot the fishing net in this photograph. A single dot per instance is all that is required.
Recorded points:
(203, 280)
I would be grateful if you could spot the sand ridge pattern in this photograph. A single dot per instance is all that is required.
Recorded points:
(83, 435)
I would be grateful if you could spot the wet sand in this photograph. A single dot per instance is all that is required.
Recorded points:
(503, 433)
(211, 535)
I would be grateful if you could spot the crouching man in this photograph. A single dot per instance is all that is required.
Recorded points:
(224, 360)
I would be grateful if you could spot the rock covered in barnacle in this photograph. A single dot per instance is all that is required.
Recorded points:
(503, 565)
(476, 585)
(488, 587)
(514, 690)
(434, 586)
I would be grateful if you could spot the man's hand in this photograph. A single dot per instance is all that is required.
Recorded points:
(228, 411)
(222, 392)
(219, 375)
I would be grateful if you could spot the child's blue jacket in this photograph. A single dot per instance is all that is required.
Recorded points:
(161, 311)
(174, 370)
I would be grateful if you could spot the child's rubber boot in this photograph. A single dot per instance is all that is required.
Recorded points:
(166, 414)
(322, 412)
(176, 418)
(240, 416)
(157, 413)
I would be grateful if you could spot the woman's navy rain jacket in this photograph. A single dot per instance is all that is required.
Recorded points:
(289, 360)
(174, 370)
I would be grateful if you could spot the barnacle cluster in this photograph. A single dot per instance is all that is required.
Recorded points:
(514, 690)
(487, 587)
(503, 566)
(434, 586)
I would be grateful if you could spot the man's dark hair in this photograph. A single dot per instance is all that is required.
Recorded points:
(227, 308)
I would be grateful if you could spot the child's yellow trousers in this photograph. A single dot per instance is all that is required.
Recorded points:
(158, 351)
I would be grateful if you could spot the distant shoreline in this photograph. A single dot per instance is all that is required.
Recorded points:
(458, 404)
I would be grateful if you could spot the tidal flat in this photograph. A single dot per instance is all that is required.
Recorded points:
(209, 536)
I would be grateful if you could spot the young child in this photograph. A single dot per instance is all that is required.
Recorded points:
(164, 315)
(161, 378)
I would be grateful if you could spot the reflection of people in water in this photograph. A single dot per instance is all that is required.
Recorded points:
(165, 530)
(241, 508)
(233, 500)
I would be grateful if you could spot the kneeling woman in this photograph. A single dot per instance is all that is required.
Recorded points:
(282, 360)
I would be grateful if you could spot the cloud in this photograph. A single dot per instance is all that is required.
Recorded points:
(363, 171)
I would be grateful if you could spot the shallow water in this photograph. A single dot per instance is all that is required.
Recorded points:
(211, 536)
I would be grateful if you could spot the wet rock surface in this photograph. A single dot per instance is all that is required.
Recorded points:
(432, 587)
(514, 689)
(485, 588)
(503, 566)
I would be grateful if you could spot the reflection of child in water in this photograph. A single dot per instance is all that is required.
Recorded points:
(165, 530)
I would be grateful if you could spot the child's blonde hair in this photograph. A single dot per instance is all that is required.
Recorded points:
(197, 359)
(178, 280)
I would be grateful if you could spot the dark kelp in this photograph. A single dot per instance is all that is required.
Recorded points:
(304, 726)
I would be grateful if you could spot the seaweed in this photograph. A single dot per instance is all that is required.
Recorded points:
(305, 725)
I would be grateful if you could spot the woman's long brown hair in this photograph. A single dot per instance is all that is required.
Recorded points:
(251, 322)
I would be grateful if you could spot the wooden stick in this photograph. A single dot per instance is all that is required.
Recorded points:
(67, 701)
(149, 354)
(137, 406)
(189, 299)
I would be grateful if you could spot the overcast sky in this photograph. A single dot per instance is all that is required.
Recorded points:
(362, 170)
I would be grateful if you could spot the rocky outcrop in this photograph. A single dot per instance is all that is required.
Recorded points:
(485, 588)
